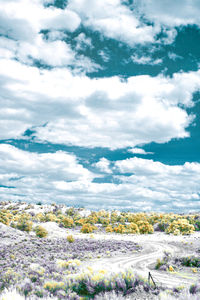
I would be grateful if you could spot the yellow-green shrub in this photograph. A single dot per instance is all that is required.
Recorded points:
(4, 218)
(120, 229)
(87, 228)
(70, 238)
(181, 225)
(41, 231)
(53, 286)
(24, 224)
(114, 217)
(104, 221)
(145, 227)
(109, 228)
(132, 228)
(67, 222)
(50, 218)
(40, 217)
(80, 222)
(135, 218)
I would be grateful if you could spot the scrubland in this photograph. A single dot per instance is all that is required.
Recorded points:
(59, 252)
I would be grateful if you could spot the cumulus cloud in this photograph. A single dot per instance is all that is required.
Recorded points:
(105, 112)
(103, 165)
(59, 176)
(51, 166)
(166, 12)
(171, 185)
(34, 175)
(113, 20)
(44, 51)
(62, 20)
(21, 24)
(37, 16)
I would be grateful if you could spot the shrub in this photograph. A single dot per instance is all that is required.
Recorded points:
(132, 228)
(120, 229)
(79, 222)
(41, 231)
(109, 228)
(66, 264)
(171, 269)
(114, 217)
(194, 289)
(92, 219)
(104, 221)
(145, 227)
(181, 225)
(190, 261)
(40, 217)
(159, 263)
(135, 218)
(4, 218)
(24, 225)
(87, 228)
(50, 218)
(67, 222)
(53, 286)
(70, 238)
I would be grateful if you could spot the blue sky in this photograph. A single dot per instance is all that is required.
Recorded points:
(100, 103)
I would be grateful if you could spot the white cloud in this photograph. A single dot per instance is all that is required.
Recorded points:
(61, 20)
(17, 29)
(52, 166)
(54, 35)
(103, 112)
(145, 60)
(113, 20)
(103, 165)
(58, 176)
(171, 184)
(83, 42)
(139, 151)
(174, 56)
(44, 51)
(104, 55)
(37, 17)
(170, 13)
(22, 22)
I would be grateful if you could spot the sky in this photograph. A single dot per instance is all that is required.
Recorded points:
(100, 103)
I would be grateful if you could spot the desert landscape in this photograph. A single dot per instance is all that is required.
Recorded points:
(59, 252)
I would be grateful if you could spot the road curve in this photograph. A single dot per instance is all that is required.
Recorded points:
(142, 263)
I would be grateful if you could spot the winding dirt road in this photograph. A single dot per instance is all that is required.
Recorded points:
(142, 263)
(153, 247)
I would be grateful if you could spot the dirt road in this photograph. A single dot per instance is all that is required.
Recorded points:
(143, 263)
